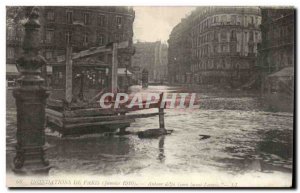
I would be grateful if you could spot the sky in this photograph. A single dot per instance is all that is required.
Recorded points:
(154, 23)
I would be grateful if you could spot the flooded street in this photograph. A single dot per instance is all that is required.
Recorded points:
(241, 138)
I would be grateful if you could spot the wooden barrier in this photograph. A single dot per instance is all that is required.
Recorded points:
(66, 120)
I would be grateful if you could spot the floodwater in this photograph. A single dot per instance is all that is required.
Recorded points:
(241, 139)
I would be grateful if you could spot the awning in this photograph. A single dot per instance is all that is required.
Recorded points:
(11, 69)
(122, 72)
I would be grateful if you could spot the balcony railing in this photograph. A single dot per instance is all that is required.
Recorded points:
(14, 38)
(251, 54)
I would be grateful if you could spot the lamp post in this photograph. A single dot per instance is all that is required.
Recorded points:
(30, 98)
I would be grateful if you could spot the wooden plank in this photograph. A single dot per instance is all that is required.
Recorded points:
(54, 113)
(55, 120)
(100, 49)
(77, 125)
(136, 107)
(55, 103)
(99, 111)
(114, 69)
(109, 118)
(89, 112)
(91, 51)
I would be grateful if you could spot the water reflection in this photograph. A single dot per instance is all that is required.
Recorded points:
(80, 154)
(270, 149)
(161, 155)
(205, 140)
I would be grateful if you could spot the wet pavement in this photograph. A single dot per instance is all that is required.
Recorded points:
(241, 137)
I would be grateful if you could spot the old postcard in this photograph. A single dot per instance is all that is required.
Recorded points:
(117, 96)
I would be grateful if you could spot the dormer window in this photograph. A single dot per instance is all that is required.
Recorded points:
(50, 15)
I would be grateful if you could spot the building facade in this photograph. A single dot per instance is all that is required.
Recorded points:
(276, 52)
(14, 33)
(180, 53)
(80, 27)
(223, 45)
(152, 56)
(86, 27)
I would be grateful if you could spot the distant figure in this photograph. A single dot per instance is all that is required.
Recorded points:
(145, 78)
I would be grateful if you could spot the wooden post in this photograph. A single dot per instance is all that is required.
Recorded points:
(161, 114)
(122, 129)
(114, 74)
(161, 118)
(30, 102)
(69, 79)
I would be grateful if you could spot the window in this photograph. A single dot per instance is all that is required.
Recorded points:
(233, 48)
(117, 37)
(223, 64)
(246, 21)
(239, 20)
(223, 19)
(86, 18)
(216, 19)
(216, 49)
(11, 33)
(101, 20)
(223, 35)
(58, 79)
(85, 39)
(68, 37)
(100, 39)
(251, 34)
(233, 35)
(251, 48)
(252, 20)
(50, 15)
(10, 52)
(69, 17)
(224, 48)
(49, 36)
(215, 35)
(119, 21)
(48, 54)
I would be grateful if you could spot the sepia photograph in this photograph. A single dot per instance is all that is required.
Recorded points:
(150, 96)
